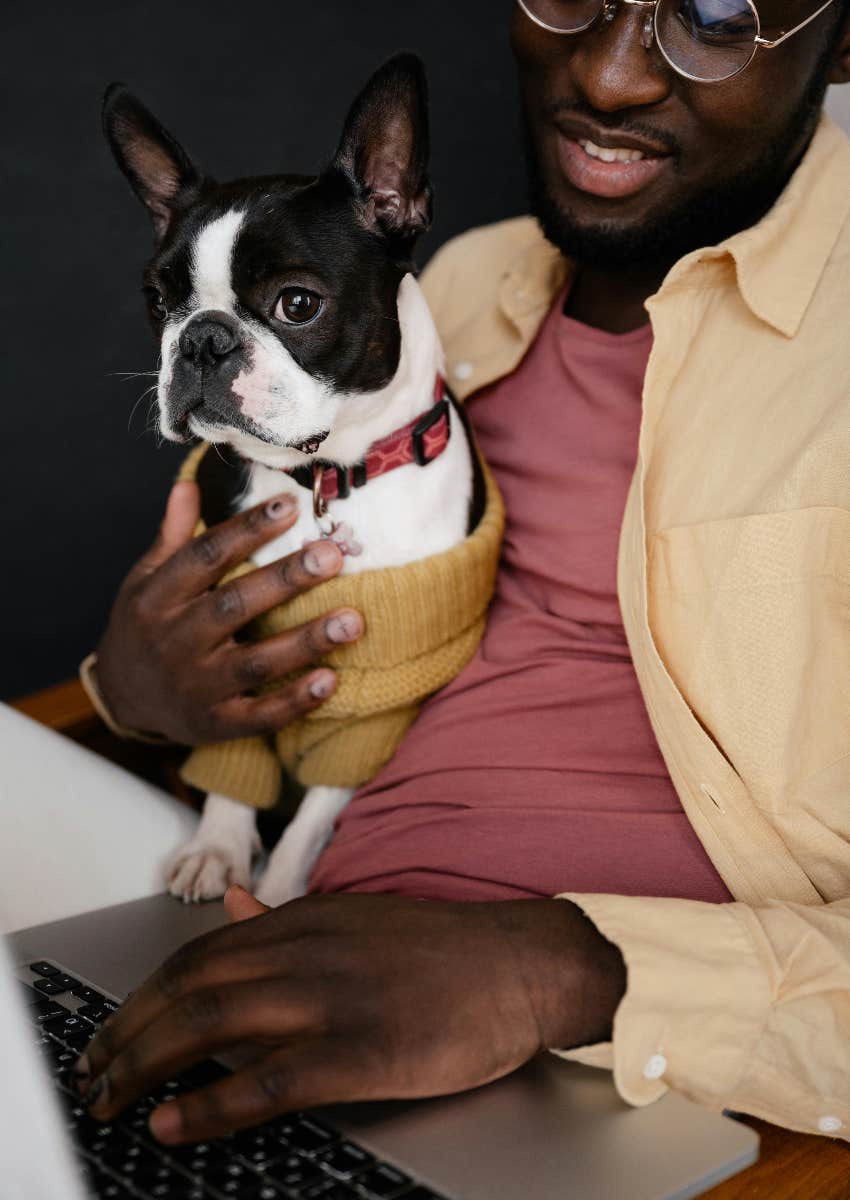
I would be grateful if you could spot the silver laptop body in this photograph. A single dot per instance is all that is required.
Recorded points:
(551, 1131)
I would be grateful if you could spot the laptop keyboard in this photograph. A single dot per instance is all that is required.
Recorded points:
(294, 1157)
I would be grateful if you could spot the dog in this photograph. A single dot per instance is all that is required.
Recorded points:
(292, 329)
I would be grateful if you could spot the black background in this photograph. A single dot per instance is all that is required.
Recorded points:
(248, 88)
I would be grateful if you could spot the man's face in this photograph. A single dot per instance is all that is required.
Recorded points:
(718, 154)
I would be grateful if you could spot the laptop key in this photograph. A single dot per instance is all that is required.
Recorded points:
(181, 1191)
(330, 1189)
(199, 1159)
(97, 1012)
(308, 1134)
(79, 1041)
(66, 982)
(107, 1188)
(44, 968)
(49, 987)
(28, 994)
(220, 1173)
(87, 995)
(64, 1026)
(46, 1010)
(383, 1182)
(176, 1188)
(258, 1147)
(295, 1173)
(345, 1159)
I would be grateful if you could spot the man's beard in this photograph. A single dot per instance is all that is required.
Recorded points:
(700, 220)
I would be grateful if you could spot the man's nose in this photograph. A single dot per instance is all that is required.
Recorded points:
(612, 68)
(209, 338)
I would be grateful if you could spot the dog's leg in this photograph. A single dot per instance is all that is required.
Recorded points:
(219, 854)
(293, 858)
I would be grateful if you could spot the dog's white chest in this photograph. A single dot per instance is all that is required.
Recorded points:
(405, 515)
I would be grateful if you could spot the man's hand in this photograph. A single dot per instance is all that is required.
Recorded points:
(169, 662)
(355, 998)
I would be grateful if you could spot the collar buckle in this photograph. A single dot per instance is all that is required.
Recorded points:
(417, 434)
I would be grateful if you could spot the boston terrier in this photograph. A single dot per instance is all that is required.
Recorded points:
(292, 329)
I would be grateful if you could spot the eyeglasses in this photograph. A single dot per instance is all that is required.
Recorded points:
(706, 41)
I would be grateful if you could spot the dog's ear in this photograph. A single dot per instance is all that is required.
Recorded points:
(384, 151)
(159, 170)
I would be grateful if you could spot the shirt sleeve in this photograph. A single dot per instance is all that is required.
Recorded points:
(740, 1008)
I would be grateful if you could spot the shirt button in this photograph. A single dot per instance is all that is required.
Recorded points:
(463, 370)
(655, 1067)
(829, 1124)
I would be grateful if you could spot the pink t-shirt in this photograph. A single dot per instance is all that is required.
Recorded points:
(536, 771)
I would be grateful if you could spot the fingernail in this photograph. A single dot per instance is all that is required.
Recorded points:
(97, 1092)
(322, 686)
(344, 627)
(165, 1122)
(280, 505)
(321, 558)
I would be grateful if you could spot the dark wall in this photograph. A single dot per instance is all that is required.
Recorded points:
(249, 88)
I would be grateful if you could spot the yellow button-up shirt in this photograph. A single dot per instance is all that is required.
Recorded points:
(734, 587)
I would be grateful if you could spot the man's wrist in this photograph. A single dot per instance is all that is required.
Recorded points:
(91, 684)
(576, 978)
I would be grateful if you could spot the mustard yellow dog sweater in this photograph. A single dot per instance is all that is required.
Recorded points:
(423, 620)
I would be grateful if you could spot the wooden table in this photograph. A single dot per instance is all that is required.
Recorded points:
(792, 1166)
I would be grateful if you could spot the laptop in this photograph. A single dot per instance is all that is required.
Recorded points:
(551, 1131)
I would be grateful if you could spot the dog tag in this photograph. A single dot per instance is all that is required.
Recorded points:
(342, 533)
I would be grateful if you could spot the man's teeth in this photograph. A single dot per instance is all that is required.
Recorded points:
(610, 153)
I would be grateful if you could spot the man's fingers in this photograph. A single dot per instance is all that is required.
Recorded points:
(182, 513)
(229, 608)
(201, 563)
(194, 1027)
(241, 905)
(306, 1075)
(248, 717)
(253, 664)
(230, 955)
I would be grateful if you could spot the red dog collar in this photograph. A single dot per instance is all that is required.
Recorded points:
(421, 441)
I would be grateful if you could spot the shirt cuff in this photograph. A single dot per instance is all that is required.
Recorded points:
(88, 678)
(696, 998)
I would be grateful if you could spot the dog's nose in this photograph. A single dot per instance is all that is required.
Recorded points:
(208, 339)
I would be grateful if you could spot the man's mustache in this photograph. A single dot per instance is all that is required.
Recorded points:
(615, 122)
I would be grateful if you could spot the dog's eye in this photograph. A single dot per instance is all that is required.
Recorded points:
(156, 303)
(297, 306)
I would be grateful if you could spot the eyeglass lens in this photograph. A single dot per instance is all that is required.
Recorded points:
(708, 40)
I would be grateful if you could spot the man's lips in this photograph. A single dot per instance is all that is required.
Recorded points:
(612, 180)
(605, 162)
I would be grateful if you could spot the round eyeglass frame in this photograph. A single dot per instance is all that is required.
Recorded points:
(608, 10)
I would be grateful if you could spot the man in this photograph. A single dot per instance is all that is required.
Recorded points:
(681, 168)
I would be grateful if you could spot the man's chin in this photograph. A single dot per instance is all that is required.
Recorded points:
(622, 242)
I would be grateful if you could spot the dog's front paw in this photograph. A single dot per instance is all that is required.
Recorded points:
(279, 886)
(219, 854)
(202, 872)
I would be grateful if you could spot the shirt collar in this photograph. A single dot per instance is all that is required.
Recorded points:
(778, 262)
